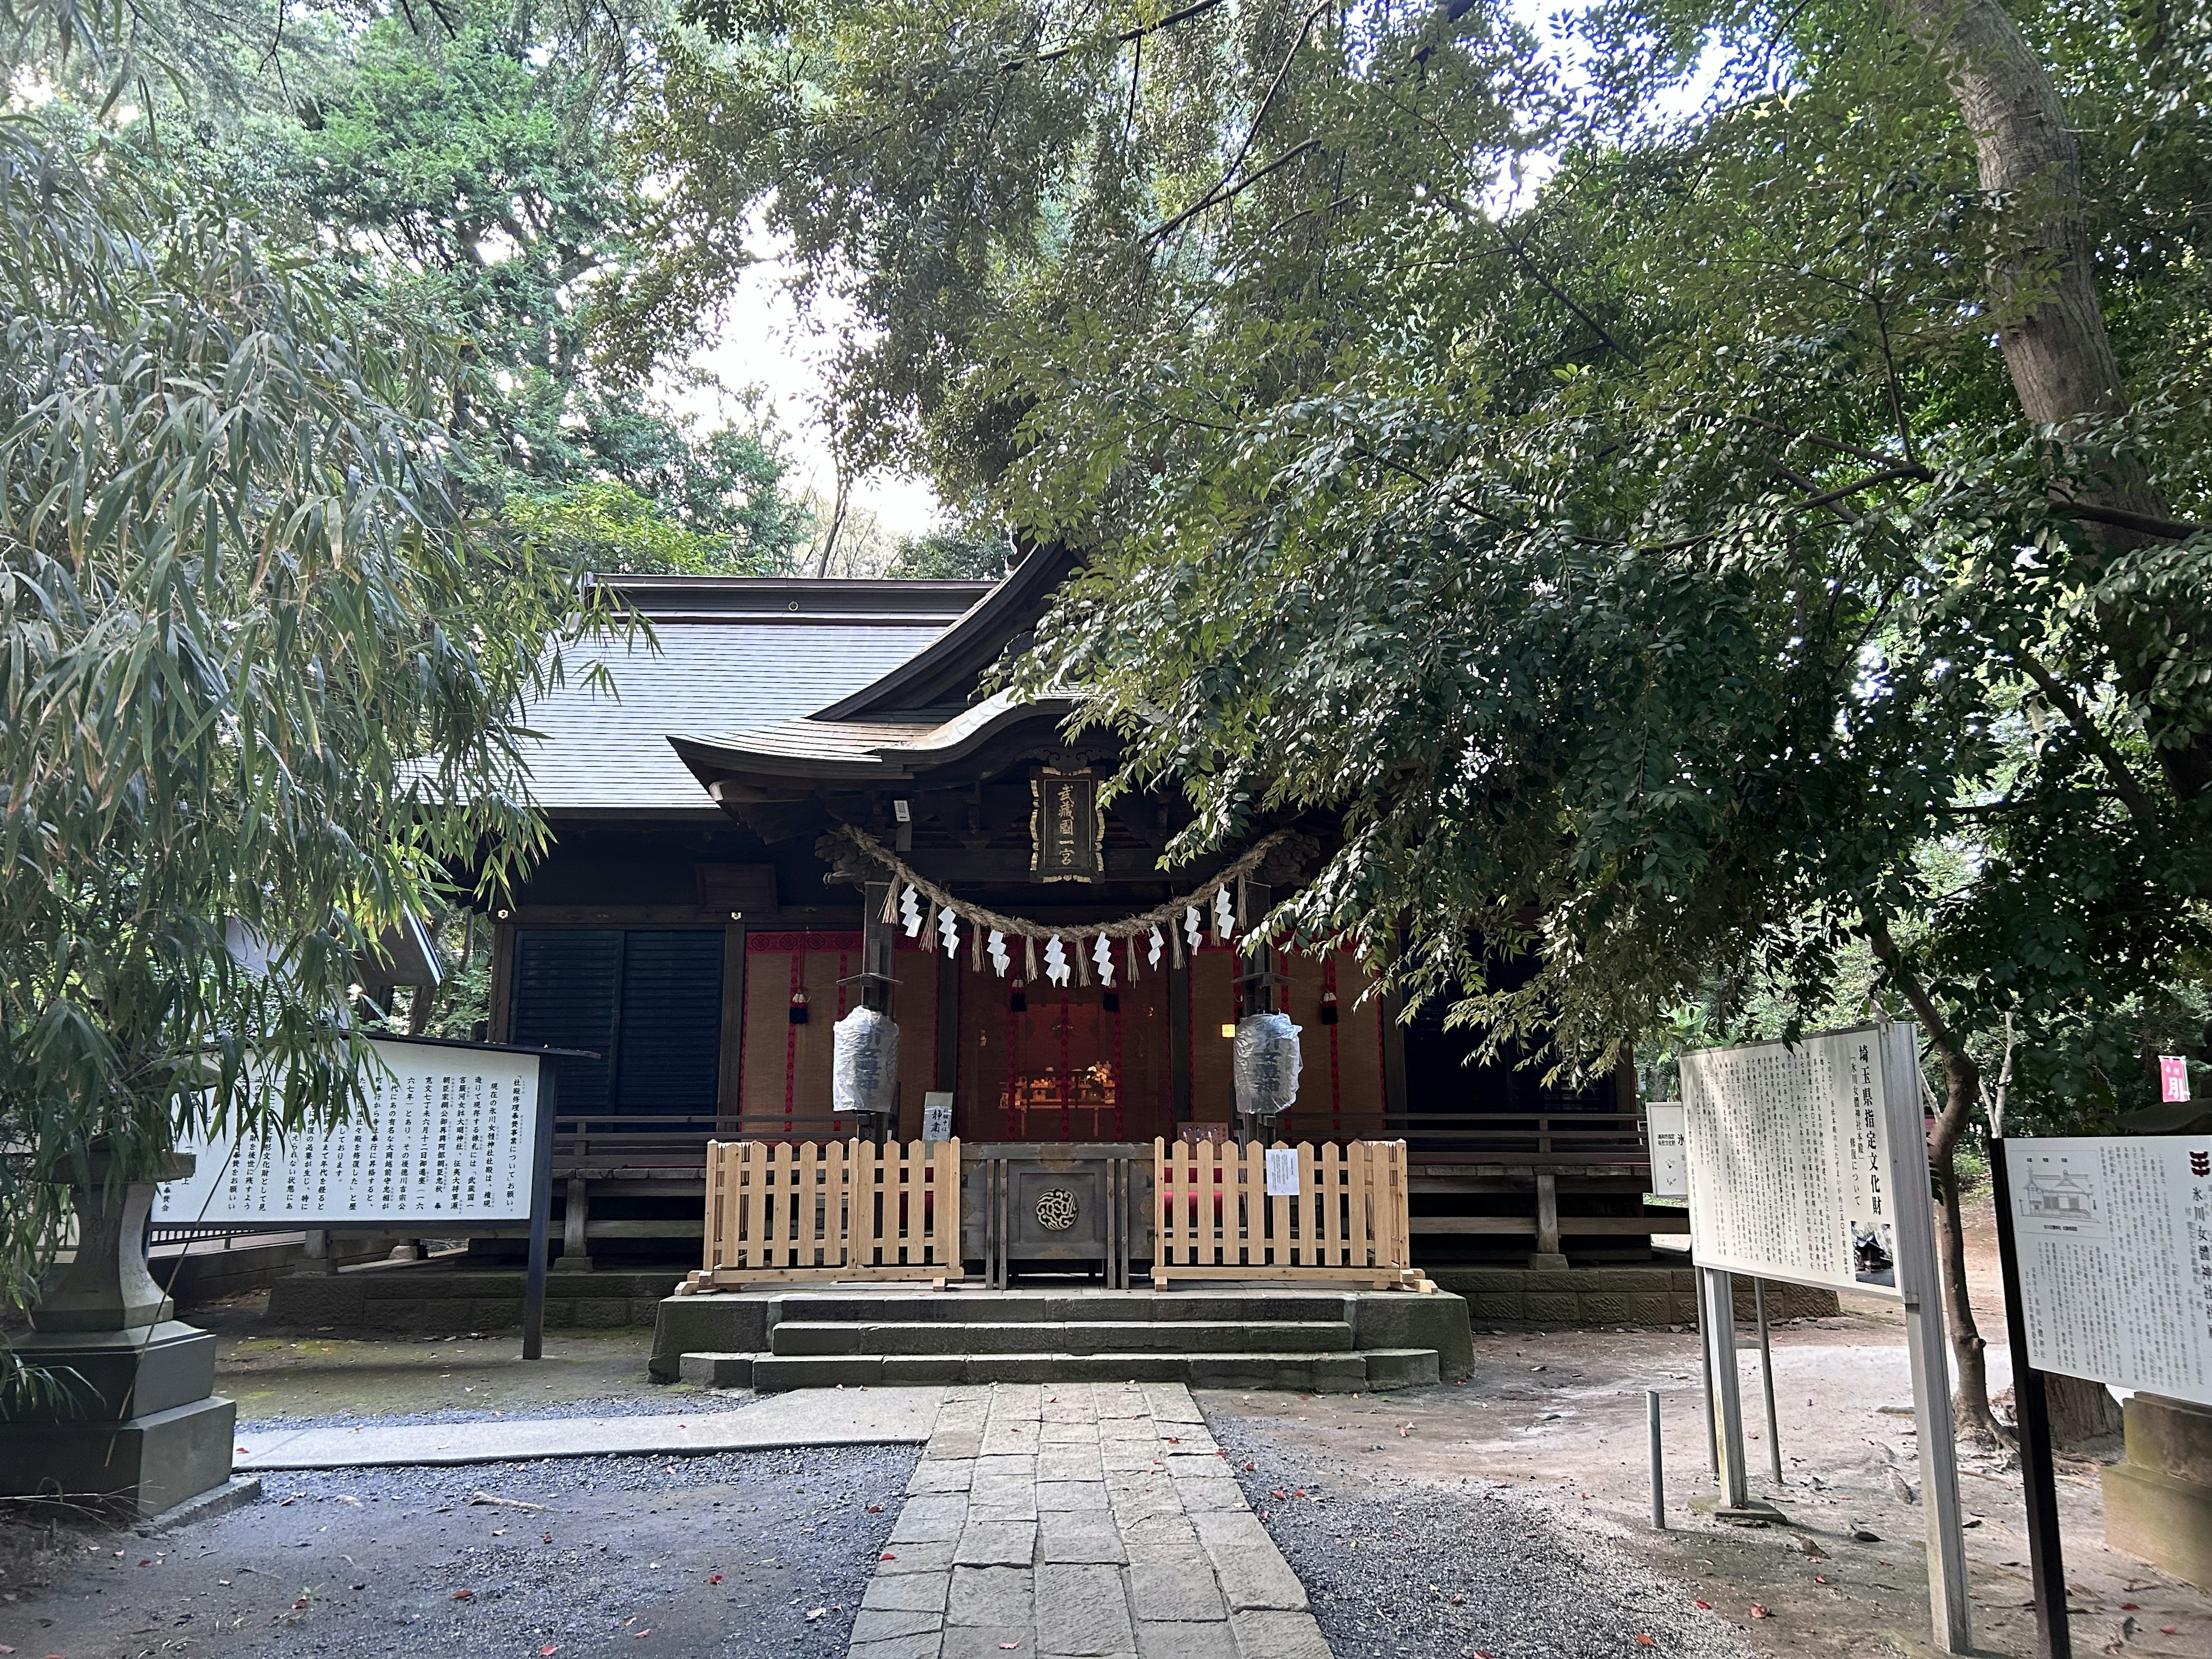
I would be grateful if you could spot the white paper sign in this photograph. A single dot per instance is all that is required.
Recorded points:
(2115, 1244)
(937, 1116)
(1670, 1158)
(451, 1134)
(1282, 1172)
(1790, 1162)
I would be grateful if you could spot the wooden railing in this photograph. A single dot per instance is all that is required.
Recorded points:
(1346, 1223)
(609, 1140)
(1518, 1137)
(783, 1210)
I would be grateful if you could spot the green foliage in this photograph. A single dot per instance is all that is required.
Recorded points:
(950, 556)
(259, 670)
(1648, 570)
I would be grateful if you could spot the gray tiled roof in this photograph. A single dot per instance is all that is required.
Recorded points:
(603, 753)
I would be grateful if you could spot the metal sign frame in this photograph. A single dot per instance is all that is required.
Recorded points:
(1918, 1291)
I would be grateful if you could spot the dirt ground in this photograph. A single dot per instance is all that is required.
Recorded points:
(1559, 1417)
(738, 1556)
(1555, 1420)
(321, 1374)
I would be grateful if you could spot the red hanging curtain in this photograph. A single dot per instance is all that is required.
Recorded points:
(791, 1040)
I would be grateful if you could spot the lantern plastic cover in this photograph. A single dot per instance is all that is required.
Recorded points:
(864, 1066)
(1267, 1063)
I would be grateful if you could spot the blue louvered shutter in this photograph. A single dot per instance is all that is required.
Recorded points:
(671, 1052)
(567, 986)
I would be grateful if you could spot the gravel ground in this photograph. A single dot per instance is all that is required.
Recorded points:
(687, 1404)
(1397, 1573)
(742, 1554)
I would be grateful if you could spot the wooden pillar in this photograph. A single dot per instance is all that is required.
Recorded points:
(1179, 1043)
(502, 981)
(877, 940)
(575, 1216)
(946, 1075)
(729, 1086)
(1548, 1254)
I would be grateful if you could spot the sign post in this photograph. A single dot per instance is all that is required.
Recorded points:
(452, 1133)
(2046, 1559)
(1808, 1165)
(2108, 1243)
(541, 1218)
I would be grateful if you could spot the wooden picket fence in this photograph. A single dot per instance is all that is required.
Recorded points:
(1345, 1224)
(780, 1212)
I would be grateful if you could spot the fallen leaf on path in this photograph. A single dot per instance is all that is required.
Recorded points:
(548, 1537)
(549, 1651)
(490, 1500)
(818, 1613)
(2169, 1629)
(887, 1556)
(1759, 1611)
(1644, 1641)
(499, 1532)
(464, 1596)
(714, 1578)
(641, 1634)
(875, 1509)
(1702, 1605)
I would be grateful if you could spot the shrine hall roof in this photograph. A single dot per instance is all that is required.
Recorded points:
(727, 652)
(915, 715)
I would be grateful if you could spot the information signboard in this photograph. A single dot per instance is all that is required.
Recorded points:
(1664, 1128)
(2114, 1236)
(1792, 1169)
(450, 1135)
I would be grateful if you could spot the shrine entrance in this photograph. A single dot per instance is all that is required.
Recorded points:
(1063, 1063)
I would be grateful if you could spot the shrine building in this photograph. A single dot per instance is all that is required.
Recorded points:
(800, 797)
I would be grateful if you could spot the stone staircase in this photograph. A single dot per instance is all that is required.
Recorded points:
(1313, 1342)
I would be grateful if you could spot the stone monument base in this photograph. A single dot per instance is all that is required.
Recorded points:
(2158, 1504)
(127, 1420)
(134, 1468)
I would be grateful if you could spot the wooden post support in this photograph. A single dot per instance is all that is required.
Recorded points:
(541, 1215)
(575, 1217)
(1548, 1254)
(1717, 1301)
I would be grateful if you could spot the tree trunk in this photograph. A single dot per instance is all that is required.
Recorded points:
(1962, 1092)
(2043, 285)
(2084, 1416)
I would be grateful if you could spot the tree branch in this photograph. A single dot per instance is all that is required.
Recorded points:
(2140, 805)
(1872, 457)
(2145, 524)
(1217, 195)
(1468, 216)
(1052, 54)
(1266, 101)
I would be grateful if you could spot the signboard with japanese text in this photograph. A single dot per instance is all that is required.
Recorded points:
(1670, 1159)
(1794, 1155)
(2114, 1236)
(451, 1134)
(1066, 828)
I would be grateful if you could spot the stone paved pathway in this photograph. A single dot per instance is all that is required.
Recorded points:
(1052, 1521)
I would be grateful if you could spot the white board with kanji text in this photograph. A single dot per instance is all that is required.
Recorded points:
(450, 1133)
(1794, 1153)
(2114, 1238)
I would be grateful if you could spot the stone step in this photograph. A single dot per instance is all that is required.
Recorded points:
(1336, 1373)
(1060, 1308)
(801, 1337)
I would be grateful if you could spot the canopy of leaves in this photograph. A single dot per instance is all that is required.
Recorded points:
(1618, 519)
(259, 666)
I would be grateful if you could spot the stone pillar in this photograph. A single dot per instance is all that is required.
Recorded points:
(118, 1408)
(2158, 1504)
